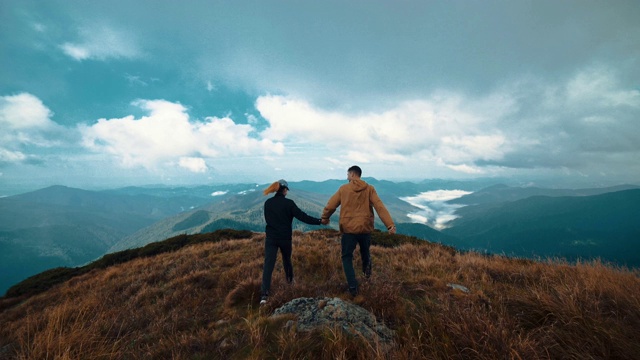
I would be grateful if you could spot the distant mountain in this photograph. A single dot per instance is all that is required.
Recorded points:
(503, 193)
(210, 193)
(245, 212)
(395, 189)
(425, 232)
(61, 226)
(243, 209)
(604, 226)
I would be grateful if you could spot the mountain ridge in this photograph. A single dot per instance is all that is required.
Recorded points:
(197, 296)
(603, 225)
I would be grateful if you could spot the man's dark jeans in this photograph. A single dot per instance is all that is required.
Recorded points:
(349, 242)
(270, 254)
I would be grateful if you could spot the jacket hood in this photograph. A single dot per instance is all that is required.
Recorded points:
(358, 185)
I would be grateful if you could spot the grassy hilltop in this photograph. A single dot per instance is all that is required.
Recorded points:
(196, 297)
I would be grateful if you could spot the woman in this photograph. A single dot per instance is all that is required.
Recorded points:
(279, 213)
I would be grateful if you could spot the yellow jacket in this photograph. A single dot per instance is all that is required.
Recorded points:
(357, 200)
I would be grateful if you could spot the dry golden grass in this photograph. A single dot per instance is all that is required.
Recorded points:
(201, 302)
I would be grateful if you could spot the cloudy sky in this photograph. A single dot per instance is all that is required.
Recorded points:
(115, 93)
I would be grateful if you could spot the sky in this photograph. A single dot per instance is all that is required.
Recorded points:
(118, 93)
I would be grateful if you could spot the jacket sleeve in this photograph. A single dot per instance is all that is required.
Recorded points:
(382, 211)
(331, 206)
(302, 216)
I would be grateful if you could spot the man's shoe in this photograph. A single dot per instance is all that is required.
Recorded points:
(263, 299)
(353, 291)
(367, 271)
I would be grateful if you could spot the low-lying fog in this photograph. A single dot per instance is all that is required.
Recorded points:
(434, 209)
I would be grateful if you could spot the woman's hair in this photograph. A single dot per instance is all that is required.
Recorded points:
(275, 187)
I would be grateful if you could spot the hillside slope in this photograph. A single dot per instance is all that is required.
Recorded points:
(604, 226)
(62, 226)
(201, 301)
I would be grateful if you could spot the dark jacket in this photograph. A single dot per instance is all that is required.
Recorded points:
(279, 213)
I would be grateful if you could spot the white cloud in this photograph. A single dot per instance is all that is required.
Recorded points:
(25, 121)
(101, 42)
(135, 80)
(430, 130)
(24, 111)
(466, 169)
(168, 135)
(463, 149)
(251, 119)
(77, 52)
(598, 86)
(420, 219)
(219, 193)
(434, 209)
(435, 195)
(586, 121)
(11, 156)
(39, 27)
(193, 164)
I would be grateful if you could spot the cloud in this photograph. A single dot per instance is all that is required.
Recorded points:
(435, 196)
(598, 86)
(168, 135)
(24, 111)
(588, 121)
(466, 169)
(8, 156)
(101, 42)
(445, 128)
(193, 164)
(578, 123)
(26, 125)
(135, 80)
(434, 209)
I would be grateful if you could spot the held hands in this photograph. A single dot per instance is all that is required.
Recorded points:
(392, 229)
(324, 221)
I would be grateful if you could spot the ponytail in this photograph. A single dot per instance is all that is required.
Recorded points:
(272, 188)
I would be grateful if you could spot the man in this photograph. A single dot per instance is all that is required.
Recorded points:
(357, 200)
(278, 214)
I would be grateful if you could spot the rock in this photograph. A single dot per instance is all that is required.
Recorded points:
(317, 313)
(458, 287)
(226, 344)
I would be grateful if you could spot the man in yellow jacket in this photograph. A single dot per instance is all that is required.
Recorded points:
(357, 200)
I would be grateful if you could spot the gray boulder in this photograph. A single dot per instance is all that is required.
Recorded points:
(318, 313)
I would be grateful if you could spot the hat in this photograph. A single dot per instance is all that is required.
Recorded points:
(283, 183)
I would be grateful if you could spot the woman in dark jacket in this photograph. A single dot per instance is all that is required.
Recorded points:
(279, 213)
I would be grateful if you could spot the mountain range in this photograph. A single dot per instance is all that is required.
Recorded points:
(61, 226)
(605, 226)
